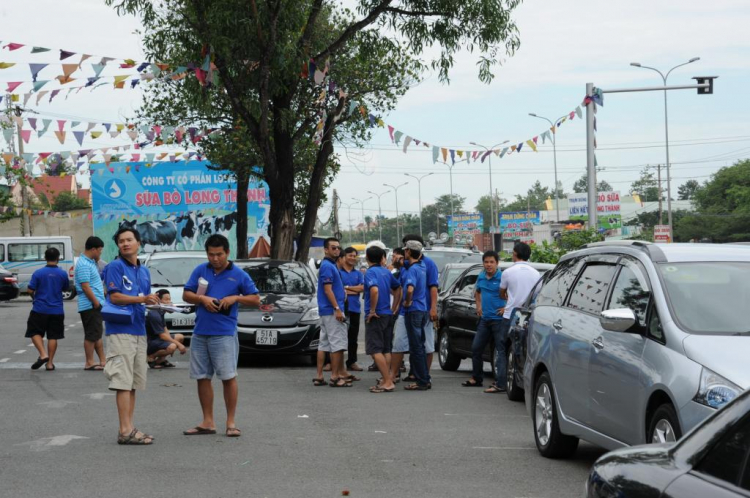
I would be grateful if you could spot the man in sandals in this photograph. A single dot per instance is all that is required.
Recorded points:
(490, 307)
(333, 329)
(416, 317)
(160, 342)
(379, 285)
(214, 347)
(90, 290)
(128, 286)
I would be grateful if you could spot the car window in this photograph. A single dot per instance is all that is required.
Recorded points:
(2, 252)
(728, 460)
(33, 251)
(442, 258)
(172, 272)
(631, 290)
(591, 289)
(655, 330)
(531, 300)
(450, 276)
(554, 291)
(466, 287)
(283, 279)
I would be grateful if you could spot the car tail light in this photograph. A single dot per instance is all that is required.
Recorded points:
(72, 272)
(11, 280)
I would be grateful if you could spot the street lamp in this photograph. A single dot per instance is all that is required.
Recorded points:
(395, 191)
(666, 135)
(380, 212)
(362, 205)
(489, 157)
(554, 155)
(419, 183)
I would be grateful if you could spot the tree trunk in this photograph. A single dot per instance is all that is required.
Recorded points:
(314, 194)
(243, 182)
(282, 220)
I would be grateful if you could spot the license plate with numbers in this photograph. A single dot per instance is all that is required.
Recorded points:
(183, 322)
(267, 337)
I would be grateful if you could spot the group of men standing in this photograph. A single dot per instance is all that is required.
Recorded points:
(399, 310)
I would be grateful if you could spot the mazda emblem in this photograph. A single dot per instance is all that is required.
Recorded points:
(267, 318)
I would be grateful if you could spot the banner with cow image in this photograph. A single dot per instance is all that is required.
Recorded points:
(174, 206)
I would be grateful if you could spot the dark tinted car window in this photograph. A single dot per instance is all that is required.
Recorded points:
(531, 301)
(554, 291)
(590, 290)
(467, 284)
(282, 279)
(631, 290)
(728, 460)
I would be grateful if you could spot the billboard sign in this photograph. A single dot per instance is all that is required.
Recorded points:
(519, 225)
(607, 206)
(461, 226)
(174, 206)
(661, 234)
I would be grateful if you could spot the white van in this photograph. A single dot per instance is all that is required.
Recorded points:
(24, 255)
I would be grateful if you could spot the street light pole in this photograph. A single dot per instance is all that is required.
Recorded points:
(554, 155)
(395, 191)
(666, 136)
(489, 163)
(380, 213)
(362, 205)
(419, 184)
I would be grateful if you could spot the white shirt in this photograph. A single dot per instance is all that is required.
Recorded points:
(518, 280)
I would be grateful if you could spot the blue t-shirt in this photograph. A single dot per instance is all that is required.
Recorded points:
(233, 281)
(48, 284)
(401, 277)
(380, 277)
(489, 289)
(433, 277)
(125, 278)
(416, 276)
(329, 274)
(87, 271)
(353, 278)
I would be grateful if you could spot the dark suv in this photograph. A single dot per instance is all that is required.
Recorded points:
(459, 320)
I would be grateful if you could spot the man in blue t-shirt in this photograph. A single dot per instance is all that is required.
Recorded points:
(47, 314)
(416, 307)
(217, 287)
(353, 281)
(129, 289)
(490, 308)
(380, 284)
(90, 290)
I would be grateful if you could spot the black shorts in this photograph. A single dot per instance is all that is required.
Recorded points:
(92, 324)
(42, 323)
(379, 335)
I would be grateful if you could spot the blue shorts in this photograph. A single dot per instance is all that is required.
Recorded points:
(156, 346)
(214, 354)
(401, 340)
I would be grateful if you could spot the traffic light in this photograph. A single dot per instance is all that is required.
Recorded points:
(705, 79)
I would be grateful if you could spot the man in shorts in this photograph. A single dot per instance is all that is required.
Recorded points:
(90, 290)
(47, 314)
(333, 329)
(129, 288)
(160, 342)
(214, 347)
(379, 285)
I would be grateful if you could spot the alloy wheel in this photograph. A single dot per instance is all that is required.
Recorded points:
(443, 348)
(663, 432)
(543, 414)
(510, 372)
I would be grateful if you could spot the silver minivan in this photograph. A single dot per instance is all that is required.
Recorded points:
(631, 342)
(24, 255)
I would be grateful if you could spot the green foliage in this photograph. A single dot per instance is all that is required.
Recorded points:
(568, 241)
(66, 201)
(582, 185)
(546, 253)
(533, 200)
(647, 186)
(687, 190)
(483, 206)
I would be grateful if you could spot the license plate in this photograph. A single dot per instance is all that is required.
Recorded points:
(182, 322)
(267, 337)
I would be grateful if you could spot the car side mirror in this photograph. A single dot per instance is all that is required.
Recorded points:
(618, 320)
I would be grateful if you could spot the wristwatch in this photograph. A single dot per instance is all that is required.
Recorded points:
(336, 309)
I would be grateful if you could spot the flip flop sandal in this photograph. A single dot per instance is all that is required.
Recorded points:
(335, 383)
(38, 363)
(379, 390)
(471, 383)
(238, 432)
(494, 389)
(133, 439)
(410, 378)
(47, 368)
(351, 378)
(167, 364)
(94, 368)
(416, 387)
(199, 431)
(319, 382)
(155, 365)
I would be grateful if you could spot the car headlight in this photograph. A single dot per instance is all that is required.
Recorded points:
(715, 391)
(310, 316)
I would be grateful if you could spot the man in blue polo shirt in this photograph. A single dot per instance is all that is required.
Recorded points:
(217, 287)
(353, 281)
(490, 308)
(90, 290)
(416, 308)
(128, 287)
(47, 314)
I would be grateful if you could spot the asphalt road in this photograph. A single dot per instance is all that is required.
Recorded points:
(58, 434)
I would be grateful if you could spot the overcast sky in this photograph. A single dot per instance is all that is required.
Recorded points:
(564, 45)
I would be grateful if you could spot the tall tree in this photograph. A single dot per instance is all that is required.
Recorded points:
(259, 48)
(687, 190)
(533, 200)
(647, 186)
(581, 186)
(483, 206)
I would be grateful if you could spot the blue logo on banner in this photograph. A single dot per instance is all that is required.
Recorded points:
(114, 189)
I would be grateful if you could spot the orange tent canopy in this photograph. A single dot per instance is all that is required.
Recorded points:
(261, 249)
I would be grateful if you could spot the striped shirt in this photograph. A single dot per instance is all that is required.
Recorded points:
(87, 271)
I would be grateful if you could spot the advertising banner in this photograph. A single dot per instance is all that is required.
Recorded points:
(519, 225)
(461, 226)
(661, 234)
(174, 206)
(607, 206)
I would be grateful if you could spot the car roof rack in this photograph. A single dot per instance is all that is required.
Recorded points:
(637, 243)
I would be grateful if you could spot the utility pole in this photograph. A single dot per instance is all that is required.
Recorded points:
(25, 222)
(658, 175)
(336, 232)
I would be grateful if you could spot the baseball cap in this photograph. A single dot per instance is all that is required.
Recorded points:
(413, 245)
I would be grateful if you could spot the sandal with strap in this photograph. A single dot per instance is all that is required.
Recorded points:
(233, 432)
(378, 390)
(134, 439)
(416, 387)
(167, 364)
(350, 378)
(471, 383)
(494, 388)
(338, 383)
(319, 382)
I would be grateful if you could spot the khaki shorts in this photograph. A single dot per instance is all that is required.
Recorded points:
(126, 362)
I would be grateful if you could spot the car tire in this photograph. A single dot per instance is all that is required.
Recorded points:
(550, 442)
(664, 426)
(513, 390)
(448, 359)
(69, 294)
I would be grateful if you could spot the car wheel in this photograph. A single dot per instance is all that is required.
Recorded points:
(550, 442)
(448, 359)
(664, 426)
(513, 390)
(69, 294)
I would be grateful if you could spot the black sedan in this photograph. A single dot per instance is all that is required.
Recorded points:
(287, 322)
(458, 319)
(8, 285)
(711, 460)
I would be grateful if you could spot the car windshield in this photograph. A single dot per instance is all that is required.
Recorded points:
(451, 274)
(442, 258)
(172, 272)
(281, 279)
(709, 297)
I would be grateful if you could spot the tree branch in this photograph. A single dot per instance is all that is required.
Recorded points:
(416, 13)
(353, 29)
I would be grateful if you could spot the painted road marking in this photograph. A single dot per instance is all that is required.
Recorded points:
(46, 443)
(97, 395)
(4, 360)
(20, 351)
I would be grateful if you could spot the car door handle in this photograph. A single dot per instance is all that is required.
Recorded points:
(598, 343)
(557, 325)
